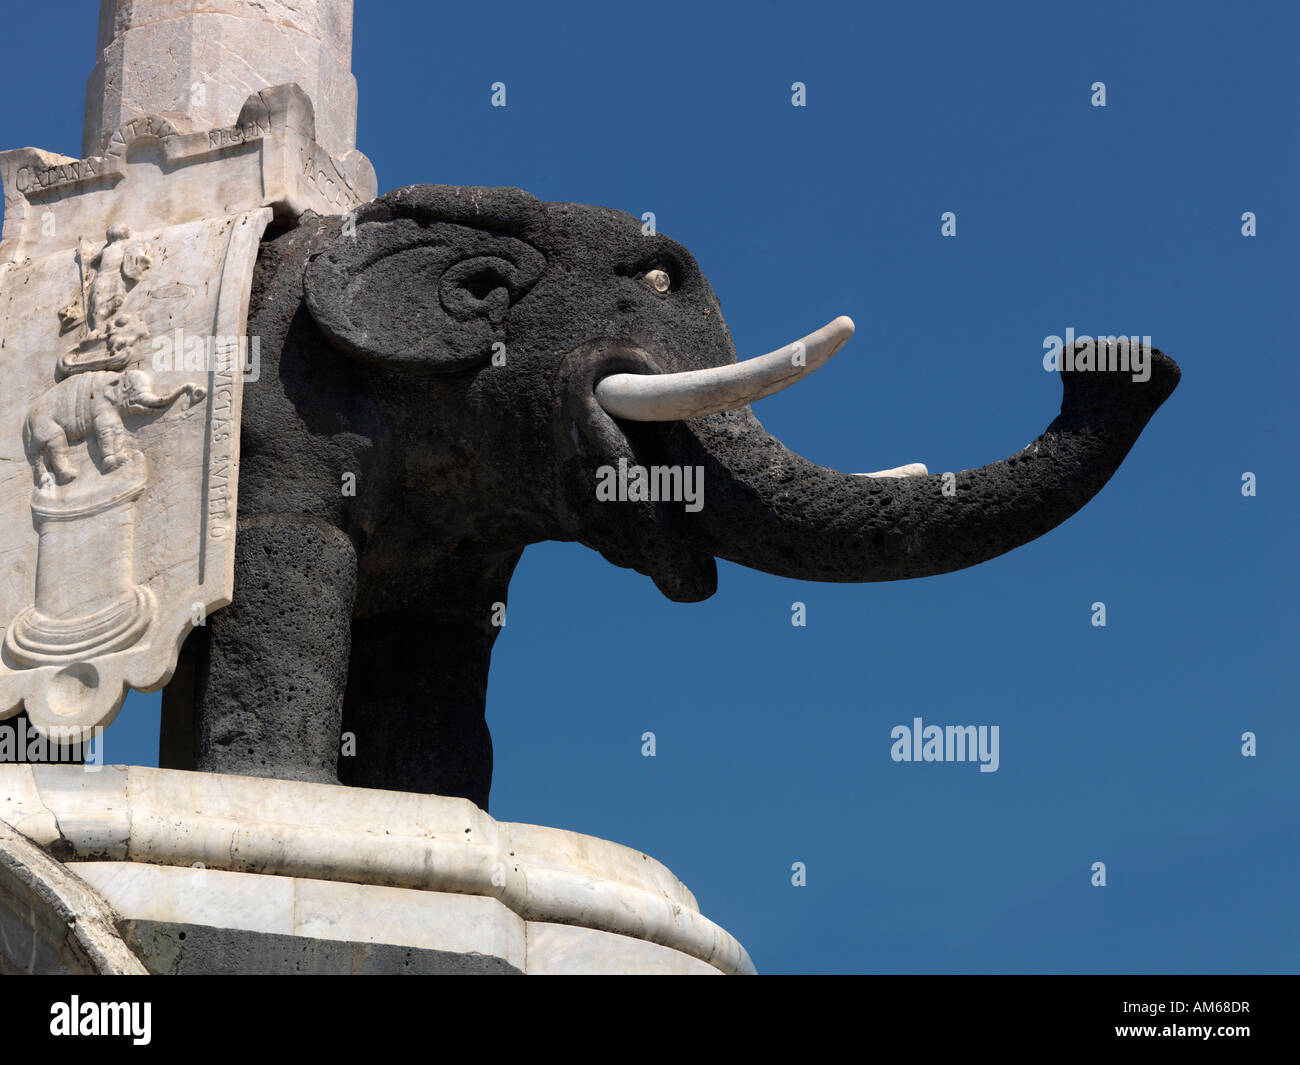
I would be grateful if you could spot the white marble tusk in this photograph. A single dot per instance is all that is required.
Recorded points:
(669, 397)
(912, 469)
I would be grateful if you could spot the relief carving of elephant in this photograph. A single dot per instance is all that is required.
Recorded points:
(474, 358)
(90, 404)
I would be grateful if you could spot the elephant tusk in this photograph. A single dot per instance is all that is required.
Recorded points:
(912, 469)
(670, 397)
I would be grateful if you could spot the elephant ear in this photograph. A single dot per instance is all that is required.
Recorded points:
(426, 277)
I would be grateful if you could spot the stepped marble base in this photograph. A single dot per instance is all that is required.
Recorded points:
(176, 872)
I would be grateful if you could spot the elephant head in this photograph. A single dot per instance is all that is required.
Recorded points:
(132, 392)
(479, 361)
(580, 300)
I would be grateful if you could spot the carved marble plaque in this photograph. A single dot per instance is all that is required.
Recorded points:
(122, 360)
(124, 286)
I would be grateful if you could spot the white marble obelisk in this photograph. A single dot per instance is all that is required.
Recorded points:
(195, 62)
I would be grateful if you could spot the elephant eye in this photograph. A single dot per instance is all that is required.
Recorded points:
(658, 280)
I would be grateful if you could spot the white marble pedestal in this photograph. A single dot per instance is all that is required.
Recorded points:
(172, 872)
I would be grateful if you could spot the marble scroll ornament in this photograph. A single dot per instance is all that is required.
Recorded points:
(122, 360)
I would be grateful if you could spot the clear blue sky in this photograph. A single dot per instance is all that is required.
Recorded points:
(1119, 744)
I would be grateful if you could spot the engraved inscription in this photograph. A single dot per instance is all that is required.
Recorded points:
(223, 399)
(144, 126)
(29, 179)
(323, 177)
(219, 138)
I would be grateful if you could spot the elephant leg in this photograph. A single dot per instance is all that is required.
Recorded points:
(43, 476)
(47, 444)
(58, 457)
(415, 707)
(413, 719)
(110, 434)
(270, 700)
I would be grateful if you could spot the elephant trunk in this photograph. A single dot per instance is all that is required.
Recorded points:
(140, 396)
(768, 508)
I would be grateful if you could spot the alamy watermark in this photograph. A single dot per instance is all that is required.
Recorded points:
(20, 742)
(632, 483)
(946, 743)
(77, 1018)
(194, 353)
(1117, 354)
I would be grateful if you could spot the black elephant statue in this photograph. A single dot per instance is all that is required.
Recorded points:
(452, 374)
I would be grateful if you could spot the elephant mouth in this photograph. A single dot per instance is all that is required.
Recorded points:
(634, 530)
(631, 503)
(770, 509)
